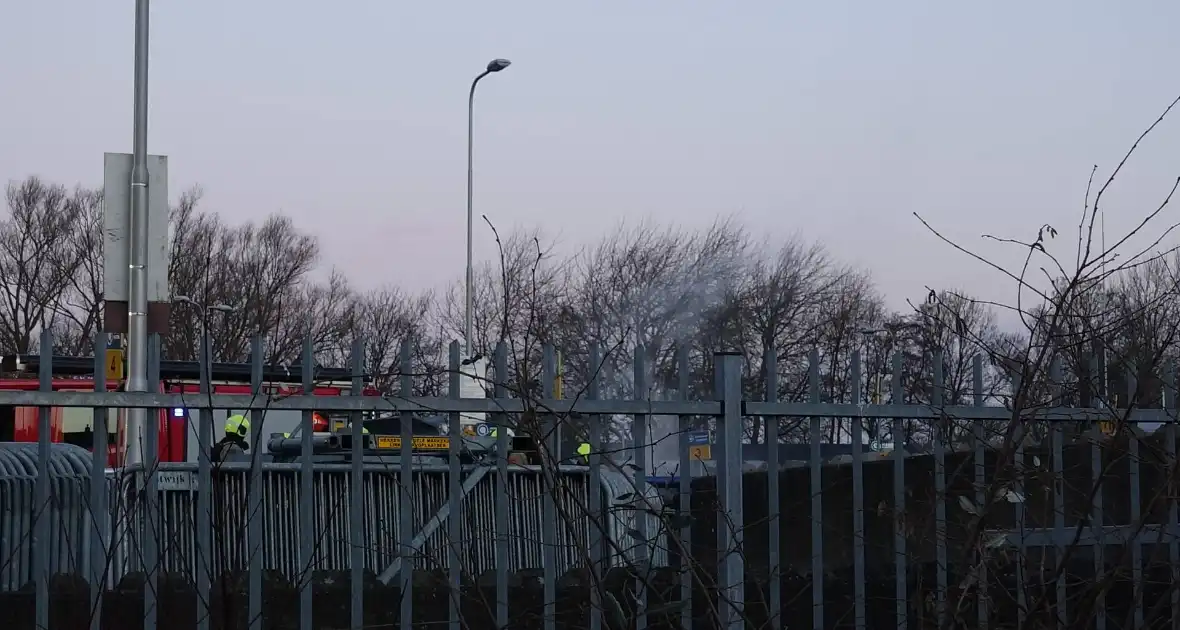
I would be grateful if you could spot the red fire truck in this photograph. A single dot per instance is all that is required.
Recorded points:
(178, 433)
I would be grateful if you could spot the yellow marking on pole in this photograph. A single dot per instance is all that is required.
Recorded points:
(557, 378)
(114, 364)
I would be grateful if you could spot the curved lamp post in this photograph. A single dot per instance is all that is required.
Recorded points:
(494, 65)
(204, 310)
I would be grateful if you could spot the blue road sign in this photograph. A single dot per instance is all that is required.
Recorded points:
(698, 437)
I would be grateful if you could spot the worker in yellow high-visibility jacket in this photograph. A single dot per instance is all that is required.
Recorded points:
(237, 428)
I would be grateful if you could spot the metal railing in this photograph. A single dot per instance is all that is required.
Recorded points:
(973, 523)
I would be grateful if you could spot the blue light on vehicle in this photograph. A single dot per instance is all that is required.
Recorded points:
(178, 412)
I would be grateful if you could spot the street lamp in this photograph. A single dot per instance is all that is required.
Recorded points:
(877, 375)
(494, 65)
(205, 360)
(204, 310)
(890, 330)
(224, 308)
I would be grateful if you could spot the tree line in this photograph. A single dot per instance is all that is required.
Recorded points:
(667, 289)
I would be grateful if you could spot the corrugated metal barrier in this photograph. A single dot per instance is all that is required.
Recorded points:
(382, 505)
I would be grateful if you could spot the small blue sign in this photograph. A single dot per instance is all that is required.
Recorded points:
(698, 437)
(482, 429)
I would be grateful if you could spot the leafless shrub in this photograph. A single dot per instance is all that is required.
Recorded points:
(1106, 313)
(39, 256)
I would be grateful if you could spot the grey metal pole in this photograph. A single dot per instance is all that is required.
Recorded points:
(137, 337)
(468, 299)
(494, 65)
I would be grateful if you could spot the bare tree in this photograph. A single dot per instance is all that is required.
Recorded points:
(324, 310)
(39, 256)
(258, 269)
(383, 319)
(518, 299)
(1093, 302)
(79, 311)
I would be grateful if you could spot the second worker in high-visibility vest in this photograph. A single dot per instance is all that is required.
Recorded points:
(233, 446)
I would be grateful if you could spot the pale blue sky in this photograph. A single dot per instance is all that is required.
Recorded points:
(832, 119)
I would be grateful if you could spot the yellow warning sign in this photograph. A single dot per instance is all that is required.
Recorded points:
(114, 365)
(1107, 427)
(418, 443)
(703, 452)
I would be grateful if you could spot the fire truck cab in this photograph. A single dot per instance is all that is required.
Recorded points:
(179, 427)
(178, 436)
(71, 425)
(235, 379)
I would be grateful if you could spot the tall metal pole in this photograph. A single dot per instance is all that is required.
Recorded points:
(467, 351)
(137, 337)
(494, 65)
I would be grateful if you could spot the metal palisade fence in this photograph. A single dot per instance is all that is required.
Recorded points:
(1010, 510)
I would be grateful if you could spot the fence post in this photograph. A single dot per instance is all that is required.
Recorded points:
(550, 449)
(639, 443)
(1136, 520)
(731, 573)
(1019, 432)
(943, 435)
(207, 556)
(503, 496)
(687, 568)
(598, 516)
(1097, 519)
(405, 510)
(254, 525)
(1169, 406)
(307, 537)
(815, 467)
(152, 527)
(1060, 544)
(900, 566)
(774, 494)
(858, 499)
(356, 525)
(980, 472)
(99, 512)
(41, 527)
(454, 491)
